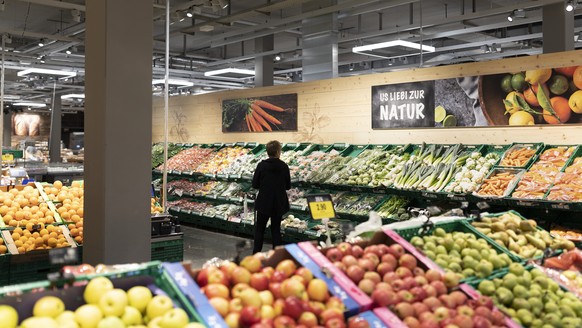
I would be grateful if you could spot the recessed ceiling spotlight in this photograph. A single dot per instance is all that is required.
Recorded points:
(42, 59)
(189, 12)
(351, 67)
(42, 42)
(517, 13)
(278, 57)
(68, 51)
(569, 5)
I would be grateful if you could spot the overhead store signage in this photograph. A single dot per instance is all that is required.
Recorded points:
(487, 100)
(403, 105)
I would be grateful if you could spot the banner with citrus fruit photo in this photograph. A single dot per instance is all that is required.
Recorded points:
(535, 97)
(260, 114)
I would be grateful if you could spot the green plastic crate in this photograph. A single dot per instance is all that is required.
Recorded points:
(516, 145)
(168, 250)
(458, 226)
(5, 269)
(32, 266)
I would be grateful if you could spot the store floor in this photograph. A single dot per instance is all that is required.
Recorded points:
(201, 245)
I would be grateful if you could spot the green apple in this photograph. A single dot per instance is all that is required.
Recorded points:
(131, 316)
(158, 306)
(175, 318)
(37, 322)
(48, 306)
(96, 288)
(111, 322)
(113, 302)
(9, 316)
(139, 297)
(67, 319)
(88, 316)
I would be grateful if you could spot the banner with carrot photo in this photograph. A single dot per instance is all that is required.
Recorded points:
(260, 114)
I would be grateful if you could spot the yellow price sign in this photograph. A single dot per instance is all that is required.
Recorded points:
(7, 157)
(321, 207)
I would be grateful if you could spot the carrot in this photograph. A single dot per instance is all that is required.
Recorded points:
(267, 105)
(266, 116)
(255, 124)
(261, 120)
(248, 123)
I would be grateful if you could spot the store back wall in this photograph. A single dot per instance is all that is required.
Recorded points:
(339, 110)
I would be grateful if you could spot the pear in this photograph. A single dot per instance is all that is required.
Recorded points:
(486, 287)
(504, 295)
(520, 291)
(509, 281)
(525, 317)
(552, 319)
(517, 269)
(484, 269)
(520, 303)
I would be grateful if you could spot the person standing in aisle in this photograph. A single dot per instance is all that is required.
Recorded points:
(272, 178)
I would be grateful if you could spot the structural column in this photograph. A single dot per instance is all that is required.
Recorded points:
(264, 64)
(118, 131)
(55, 137)
(320, 37)
(557, 28)
(7, 131)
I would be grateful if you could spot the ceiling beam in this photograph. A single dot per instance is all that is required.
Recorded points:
(56, 4)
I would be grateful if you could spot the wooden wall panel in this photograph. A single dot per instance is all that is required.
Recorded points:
(339, 110)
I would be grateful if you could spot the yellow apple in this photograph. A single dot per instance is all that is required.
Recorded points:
(111, 322)
(96, 288)
(158, 306)
(36, 322)
(88, 316)
(175, 318)
(67, 319)
(131, 316)
(139, 297)
(48, 306)
(113, 302)
(9, 316)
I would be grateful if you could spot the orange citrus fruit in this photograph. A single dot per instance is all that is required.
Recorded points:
(562, 109)
(566, 71)
(577, 77)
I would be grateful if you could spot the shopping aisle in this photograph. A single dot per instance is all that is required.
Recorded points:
(201, 245)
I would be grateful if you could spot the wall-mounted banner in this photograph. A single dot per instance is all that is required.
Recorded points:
(260, 114)
(403, 105)
(488, 100)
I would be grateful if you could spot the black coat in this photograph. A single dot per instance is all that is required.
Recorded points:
(272, 178)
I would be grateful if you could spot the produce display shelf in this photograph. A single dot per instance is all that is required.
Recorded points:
(353, 150)
(502, 199)
(169, 248)
(337, 147)
(32, 266)
(537, 146)
(563, 205)
(456, 226)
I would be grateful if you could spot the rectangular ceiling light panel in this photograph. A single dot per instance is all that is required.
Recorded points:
(368, 49)
(29, 104)
(73, 95)
(44, 71)
(231, 72)
(181, 83)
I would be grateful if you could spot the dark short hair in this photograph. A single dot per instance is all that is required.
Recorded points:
(273, 148)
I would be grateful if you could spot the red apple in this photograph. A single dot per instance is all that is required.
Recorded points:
(396, 250)
(335, 323)
(358, 322)
(419, 293)
(485, 301)
(268, 271)
(340, 266)
(371, 249)
(465, 310)
(447, 301)
(317, 290)
(459, 297)
(372, 257)
(355, 273)
(482, 311)
(390, 277)
(405, 296)
(403, 272)
(211, 275)
(430, 290)
(278, 276)
(345, 248)
(497, 317)
(410, 282)
(420, 280)
(441, 313)
(334, 254)
(411, 322)
(227, 267)
(275, 289)
(433, 275)
(309, 319)
(439, 286)
(259, 281)
(232, 319)
(293, 307)
(463, 321)
(305, 273)
(235, 305)
(407, 261)
(240, 274)
(278, 306)
(238, 289)
(249, 316)
(432, 302)
(349, 260)
(366, 264)
(384, 297)
(418, 271)
(451, 279)
(251, 263)
(367, 286)
(480, 322)
(292, 287)
(390, 259)
(299, 278)
(383, 285)
(283, 321)
(427, 317)
(357, 251)
(329, 314)
(419, 308)
(216, 290)
(261, 325)
(398, 285)
(429, 324)
(335, 302)
(202, 276)
(374, 276)
(220, 305)
(383, 268)
(287, 266)
(316, 307)
(404, 310)
(382, 249)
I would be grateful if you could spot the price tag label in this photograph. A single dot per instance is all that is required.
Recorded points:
(7, 157)
(321, 206)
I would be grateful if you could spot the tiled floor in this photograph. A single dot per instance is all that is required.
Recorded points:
(202, 245)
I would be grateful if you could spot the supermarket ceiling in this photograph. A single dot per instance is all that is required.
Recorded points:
(221, 34)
